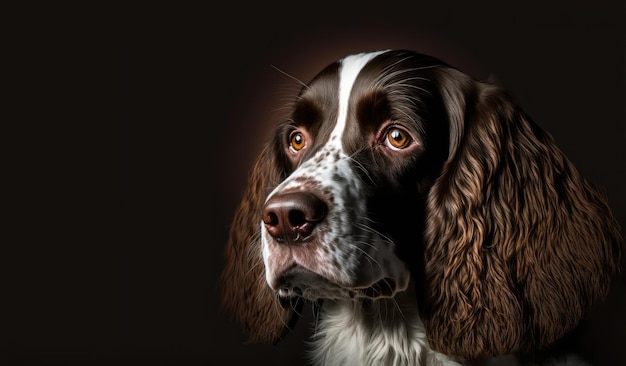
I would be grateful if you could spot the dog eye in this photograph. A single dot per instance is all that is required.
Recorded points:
(397, 138)
(297, 141)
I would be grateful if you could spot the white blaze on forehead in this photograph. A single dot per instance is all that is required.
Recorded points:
(350, 68)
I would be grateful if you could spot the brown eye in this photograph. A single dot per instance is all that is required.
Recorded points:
(297, 141)
(398, 138)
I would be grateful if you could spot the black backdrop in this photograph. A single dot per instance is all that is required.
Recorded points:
(136, 127)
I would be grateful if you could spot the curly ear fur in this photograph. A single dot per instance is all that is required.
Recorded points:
(517, 244)
(245, 292)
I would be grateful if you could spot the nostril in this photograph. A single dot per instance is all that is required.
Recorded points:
(270, 218)
(297, 218)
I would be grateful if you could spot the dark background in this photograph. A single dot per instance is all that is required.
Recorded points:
(133, 129)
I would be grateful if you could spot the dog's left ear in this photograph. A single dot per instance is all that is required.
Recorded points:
(518, 245)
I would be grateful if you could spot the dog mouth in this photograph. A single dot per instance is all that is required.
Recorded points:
(384, 288)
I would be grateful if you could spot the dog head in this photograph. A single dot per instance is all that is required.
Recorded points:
(394, 168)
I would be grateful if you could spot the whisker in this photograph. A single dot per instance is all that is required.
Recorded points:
(361, 166)
(290, 76)
(365, 242)
(316, 309)
(369, 257)
(294, 306)
(278, 310)
(400, 312)
(374, 231)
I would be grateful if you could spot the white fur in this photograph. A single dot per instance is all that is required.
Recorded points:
(384, 332)
(388, 332)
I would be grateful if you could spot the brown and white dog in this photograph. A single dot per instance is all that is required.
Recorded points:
(435, 220)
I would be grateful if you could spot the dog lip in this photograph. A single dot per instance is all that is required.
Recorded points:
(295, 277)
(280, 282)
(384, 288)
(298, 281)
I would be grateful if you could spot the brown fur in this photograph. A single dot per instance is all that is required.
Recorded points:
(245, 292)
(518, 245)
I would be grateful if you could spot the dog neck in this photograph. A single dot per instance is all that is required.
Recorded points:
(379, 332)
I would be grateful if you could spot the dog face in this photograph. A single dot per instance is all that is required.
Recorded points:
(393, 167)
(358, 156)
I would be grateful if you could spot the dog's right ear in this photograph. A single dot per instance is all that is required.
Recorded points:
(245, 292)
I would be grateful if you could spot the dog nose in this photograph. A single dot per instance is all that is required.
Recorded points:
(290, 217)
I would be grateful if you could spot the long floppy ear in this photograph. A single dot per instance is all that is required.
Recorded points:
(517, 244)
(245, 292)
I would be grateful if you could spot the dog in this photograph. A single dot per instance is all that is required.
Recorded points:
(426, 215)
